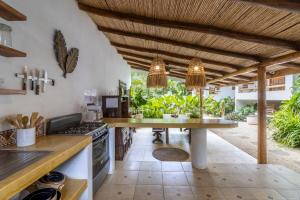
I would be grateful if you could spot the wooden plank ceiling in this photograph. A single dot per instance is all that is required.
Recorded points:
(228, 35)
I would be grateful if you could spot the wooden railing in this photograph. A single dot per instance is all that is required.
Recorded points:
(274, 84)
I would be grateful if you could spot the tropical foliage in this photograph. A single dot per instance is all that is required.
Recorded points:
(286, 121)
(174, 99)
(242, 113)
(218, 108)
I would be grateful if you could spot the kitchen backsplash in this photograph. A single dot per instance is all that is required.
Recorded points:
(8, 137)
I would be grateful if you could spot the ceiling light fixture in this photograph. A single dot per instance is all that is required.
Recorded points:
(195, 78)
(157, 76)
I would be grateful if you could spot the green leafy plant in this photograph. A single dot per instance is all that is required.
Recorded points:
(174, 99)
(218, 108)
(286, 121)
(242, 113)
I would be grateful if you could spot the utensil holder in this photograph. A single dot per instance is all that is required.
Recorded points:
(25, 137)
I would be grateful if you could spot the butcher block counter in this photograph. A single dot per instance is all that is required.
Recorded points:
(169, 123)
(198, 135)
(64, 153)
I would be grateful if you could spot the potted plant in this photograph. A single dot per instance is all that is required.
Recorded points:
(26, 128)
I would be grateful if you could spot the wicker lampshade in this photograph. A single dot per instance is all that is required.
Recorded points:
(195, 78)
(157, 77)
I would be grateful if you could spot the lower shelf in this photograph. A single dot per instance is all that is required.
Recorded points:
(73, 189)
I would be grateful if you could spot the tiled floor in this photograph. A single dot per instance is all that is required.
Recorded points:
(232, 174)
(245, 137)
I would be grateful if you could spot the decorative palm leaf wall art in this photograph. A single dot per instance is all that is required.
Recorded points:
(67, 61)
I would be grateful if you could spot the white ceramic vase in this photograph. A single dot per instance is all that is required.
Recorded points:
(25, 137)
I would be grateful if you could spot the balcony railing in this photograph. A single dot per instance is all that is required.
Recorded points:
(274, 84)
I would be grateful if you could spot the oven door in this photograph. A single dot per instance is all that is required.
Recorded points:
(100, 153)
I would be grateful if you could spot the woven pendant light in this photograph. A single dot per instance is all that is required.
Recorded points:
(195, 78)
(157, 77)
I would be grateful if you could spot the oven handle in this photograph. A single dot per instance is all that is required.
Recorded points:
(101, 139)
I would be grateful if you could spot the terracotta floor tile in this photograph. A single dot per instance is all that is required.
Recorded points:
(115, 192)
(149, 178)
(149, 192)
(174, 178)
(178, 193)
(172, 167)
(207, 193)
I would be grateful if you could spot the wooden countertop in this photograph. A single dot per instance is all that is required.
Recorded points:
(169, 123)
(62, 148)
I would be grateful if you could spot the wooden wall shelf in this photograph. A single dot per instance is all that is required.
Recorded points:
(10, 52)
(12, 92)
(10, 14)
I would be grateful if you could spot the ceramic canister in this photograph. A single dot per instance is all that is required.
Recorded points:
(25, 137)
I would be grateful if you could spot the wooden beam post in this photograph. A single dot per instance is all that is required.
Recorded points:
(201, 103)
(262, 116)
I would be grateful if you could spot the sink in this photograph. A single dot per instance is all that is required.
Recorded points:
(12, 161)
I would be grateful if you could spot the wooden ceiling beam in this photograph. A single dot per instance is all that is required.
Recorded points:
(267, 63)
(278, 73)
(179, 64)
(243, 78)
(172, 72)
(288, 5)
(146, 64)
(180, 44)
(175, 55)
(186, 26)
(134, 66)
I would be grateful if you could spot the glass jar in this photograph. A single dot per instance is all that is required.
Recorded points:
(5, 35)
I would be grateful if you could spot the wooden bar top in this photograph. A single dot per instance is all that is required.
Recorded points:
(61, 149)
(169, 123)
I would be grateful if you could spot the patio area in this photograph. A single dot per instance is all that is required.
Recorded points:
(245, 138)
(232, 174)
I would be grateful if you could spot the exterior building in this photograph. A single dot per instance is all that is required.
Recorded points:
(278, 90)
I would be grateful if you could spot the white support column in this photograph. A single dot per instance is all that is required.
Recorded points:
(199, 148)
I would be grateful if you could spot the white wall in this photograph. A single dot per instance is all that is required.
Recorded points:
(270, 95)
(223, 92)
(99, 65)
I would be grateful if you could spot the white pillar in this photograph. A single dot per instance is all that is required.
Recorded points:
(199, 148)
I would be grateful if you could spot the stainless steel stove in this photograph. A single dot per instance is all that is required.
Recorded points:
(94, 129)
(71, 124)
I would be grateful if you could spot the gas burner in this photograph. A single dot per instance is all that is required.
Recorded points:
(94, 129)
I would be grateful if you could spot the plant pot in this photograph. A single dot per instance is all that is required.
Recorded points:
(167, 116)
(183, 117)
(139, 116)
(252, 120)
(25, 137)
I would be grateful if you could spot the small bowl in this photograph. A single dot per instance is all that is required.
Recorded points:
(43, 194)
(53, 179)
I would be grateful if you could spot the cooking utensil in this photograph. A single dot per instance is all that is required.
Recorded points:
(12, 122)
(25, 120)
(38, 121)
(32, 73)
(19, 120)
(37, 87)
(24, 86)
(33, 118)
(45, 80)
